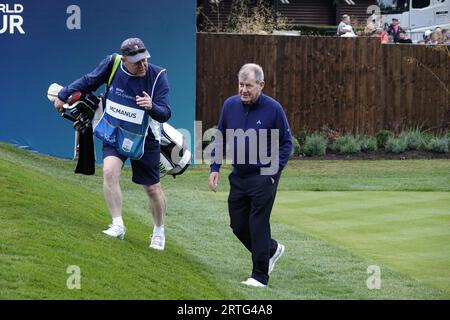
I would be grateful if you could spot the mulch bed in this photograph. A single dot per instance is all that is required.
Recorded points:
(380, 155)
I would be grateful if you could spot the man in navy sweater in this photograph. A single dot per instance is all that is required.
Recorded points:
(255, 128)
(142, 88)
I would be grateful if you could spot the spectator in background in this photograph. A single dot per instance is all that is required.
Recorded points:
(380, 33)
(403, 38)
(446, 36)
(427, 37)
(395, 30)
(345, 25)
(437, 36)
(370, 29)
(349, 33)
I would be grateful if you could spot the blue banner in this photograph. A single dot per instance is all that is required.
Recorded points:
(49, 41)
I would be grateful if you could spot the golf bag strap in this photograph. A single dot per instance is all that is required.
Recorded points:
(116, 64)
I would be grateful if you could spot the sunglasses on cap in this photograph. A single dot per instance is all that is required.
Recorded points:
(131, 53)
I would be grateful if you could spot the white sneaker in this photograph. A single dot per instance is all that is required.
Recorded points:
(277, 255)
(253, 283)
(115, 231)
(158, 242)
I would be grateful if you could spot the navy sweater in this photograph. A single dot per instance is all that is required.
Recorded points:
(265, 113)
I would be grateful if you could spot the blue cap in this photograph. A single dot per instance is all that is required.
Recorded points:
(134, 50)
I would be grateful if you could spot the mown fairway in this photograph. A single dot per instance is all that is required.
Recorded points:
(335, 218)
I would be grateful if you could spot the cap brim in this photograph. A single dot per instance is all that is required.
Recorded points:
(138, 57)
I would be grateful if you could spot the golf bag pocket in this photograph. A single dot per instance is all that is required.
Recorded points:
(106, 132)
(123, 127)
(130, 144)
(174, 155)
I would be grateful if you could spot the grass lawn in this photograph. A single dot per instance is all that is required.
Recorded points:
(406, 231)
(336, 218)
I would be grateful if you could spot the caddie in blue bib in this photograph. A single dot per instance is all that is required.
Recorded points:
(125, 125)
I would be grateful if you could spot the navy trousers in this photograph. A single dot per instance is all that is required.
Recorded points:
(250, 203)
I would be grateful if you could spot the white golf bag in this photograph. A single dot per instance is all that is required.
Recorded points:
(174, 155)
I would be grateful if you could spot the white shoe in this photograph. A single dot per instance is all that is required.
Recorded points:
(115, 231)
(277, 255)
(253, 283)
(158, 242)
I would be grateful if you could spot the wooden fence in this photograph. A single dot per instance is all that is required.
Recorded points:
(356, 85)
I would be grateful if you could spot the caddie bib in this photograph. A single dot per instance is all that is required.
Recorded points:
(124, 125)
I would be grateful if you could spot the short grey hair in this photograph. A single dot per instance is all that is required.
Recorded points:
(246, 69)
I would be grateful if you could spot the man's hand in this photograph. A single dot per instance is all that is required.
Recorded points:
(59, 105)
(213, 181)
(145, 101)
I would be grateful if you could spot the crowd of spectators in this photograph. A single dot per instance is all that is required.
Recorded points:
(391, 33)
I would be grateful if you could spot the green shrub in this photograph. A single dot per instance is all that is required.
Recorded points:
(440, 145)
(448, 138)
(414, 139)
(333, 146)
(346, 144)
(337, 145)
(426, 138)
(301, 137)
(295, 147)
(368, 143)
(313, 29)
(396, 145)
(382, 137)
(315, 145)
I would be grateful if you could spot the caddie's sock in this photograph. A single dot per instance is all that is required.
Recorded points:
(118, 221)
(158, 231)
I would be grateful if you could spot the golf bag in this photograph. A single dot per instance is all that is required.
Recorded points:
(174, 157)
(81, 110)
(85, 109)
